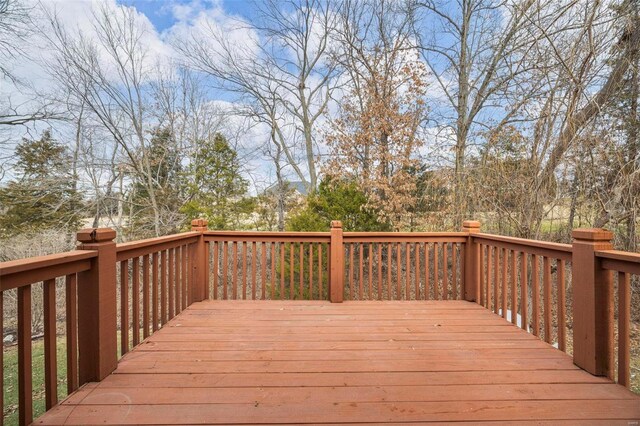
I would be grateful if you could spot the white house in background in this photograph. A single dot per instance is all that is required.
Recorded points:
(298, 187)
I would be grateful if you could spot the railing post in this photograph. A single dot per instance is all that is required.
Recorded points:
(592, 288)
(97, 312)
(198, 262)
(336, 282)
(471, 262)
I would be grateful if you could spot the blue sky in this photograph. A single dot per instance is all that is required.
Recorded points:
(159, 11)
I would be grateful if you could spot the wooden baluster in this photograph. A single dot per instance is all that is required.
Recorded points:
(407, 269)
(154, 310)
(370, 257)
(71, 291)
(185, 279)
(124, 307)
(263, 270)
(351, 264)
(505, 259)
(50, 364)
(163, 287)
(291, 271)
(535, 289)
(436, 278)
(427, 276)
(482, 282)
(320, 290)
(178, 284)
(135, 301)
(389, 256)
(399, 270)
(462, 270)
(496, 279)
(489, 278)
(145, 296)
(273, 282)
(301, 274)
(207, 275)
(524, 291)
(514, 292)
(454, 270)
(562, 303)
(178, 280)
(546, 283)
(361, 271)
(311, 271)
(25, 402)
(244, 270)
(215, 270)
(253, 270)
(379, 271)
(234, 268)
(445, 272)
(225, 269)
(416, 255)
(282, 271)
(624, 320)
(172, 282)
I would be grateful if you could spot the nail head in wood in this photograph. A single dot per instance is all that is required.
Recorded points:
(96, 235)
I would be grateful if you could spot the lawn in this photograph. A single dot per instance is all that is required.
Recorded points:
(10, 388)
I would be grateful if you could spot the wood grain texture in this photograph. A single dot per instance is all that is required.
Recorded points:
(310, 362)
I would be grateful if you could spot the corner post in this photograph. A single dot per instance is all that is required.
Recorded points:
(198, 262)
(592, 303)
(97, 312)
(471, 262)
(336, 261)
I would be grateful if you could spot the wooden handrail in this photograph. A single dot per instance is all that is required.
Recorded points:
(405, 237)
(620, 261)
(21, 272)
(139, 248)
(540, 248)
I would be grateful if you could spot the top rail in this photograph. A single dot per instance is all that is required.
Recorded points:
(620, 261)
(267, 236)
(18, 273)
(405, 237)
(152, 245)
(541, 248)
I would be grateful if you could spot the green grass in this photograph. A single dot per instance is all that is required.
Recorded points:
(10, 388)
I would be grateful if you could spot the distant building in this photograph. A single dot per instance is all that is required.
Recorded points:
(298, 187)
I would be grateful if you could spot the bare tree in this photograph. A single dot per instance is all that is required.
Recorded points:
(470, 51)
(285, 53)
(109, 75)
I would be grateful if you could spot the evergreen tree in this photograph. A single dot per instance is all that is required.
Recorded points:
(216, 188)
(337, 200)
(44, 194)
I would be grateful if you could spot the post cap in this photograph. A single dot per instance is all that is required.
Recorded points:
(199, 223)
(471, 225)
(95, 235)
(592, 234)
(336, 224)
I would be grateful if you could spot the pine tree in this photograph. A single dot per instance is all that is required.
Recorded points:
(43, 195)
(216, 187)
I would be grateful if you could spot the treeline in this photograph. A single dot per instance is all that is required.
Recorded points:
(386, 114)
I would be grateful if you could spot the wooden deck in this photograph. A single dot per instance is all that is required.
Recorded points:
(235, 362)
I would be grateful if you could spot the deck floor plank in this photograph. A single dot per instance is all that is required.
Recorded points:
(282, 362)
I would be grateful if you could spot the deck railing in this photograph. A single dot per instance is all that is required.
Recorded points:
(116, 295)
